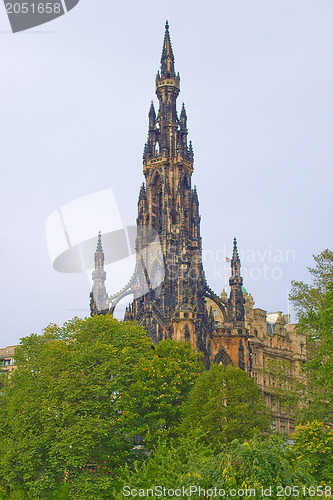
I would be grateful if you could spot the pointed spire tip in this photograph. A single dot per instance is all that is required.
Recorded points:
(235, 251)
(167, 59)
(99, 242)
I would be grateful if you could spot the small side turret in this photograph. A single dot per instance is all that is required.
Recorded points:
(99, 303)
(236, 299)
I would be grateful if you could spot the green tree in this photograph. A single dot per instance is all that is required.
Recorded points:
(318, 368)
(306, 297)
(310, 395)
(63, 411)
(314, 304)
(225, 404)
(161, 386)
(70, 409)
(314, 443)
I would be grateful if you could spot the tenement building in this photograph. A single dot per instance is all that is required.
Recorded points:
(7, 361)
(171, 297)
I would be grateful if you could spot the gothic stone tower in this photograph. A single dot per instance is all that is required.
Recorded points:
(173, 307)
(171, 298)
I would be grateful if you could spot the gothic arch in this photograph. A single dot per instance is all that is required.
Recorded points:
(123, 293)
(211, 295)
(156, 200)
(184, 181)
(222, 358)
(157, 274)
(156, 178)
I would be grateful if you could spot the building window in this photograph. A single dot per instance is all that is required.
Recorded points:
(291, 426)
(273, 425)
(138, 439)
(7, 362)
(282, 426)
(302, 345)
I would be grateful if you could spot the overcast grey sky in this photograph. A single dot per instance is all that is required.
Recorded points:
(256, 78)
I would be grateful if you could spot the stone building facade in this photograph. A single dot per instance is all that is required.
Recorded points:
(171, 297)
(7, 360)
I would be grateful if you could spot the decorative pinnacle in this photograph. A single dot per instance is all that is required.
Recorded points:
(142, 190)
(152, 114)
(190, 150)
(183, 112)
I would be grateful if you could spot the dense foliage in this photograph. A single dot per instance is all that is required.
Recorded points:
(244, 468)
(314, 443)
(314, 304)
(225, 404)
(79, 397)
(318, 369)
(306, 297)
(310, 396)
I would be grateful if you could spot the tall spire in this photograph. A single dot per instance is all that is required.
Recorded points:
(99, 254)
(99, 243)
(235, 251)
(167, 74)
(167, 58)
(235, 261)
(163, 138)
